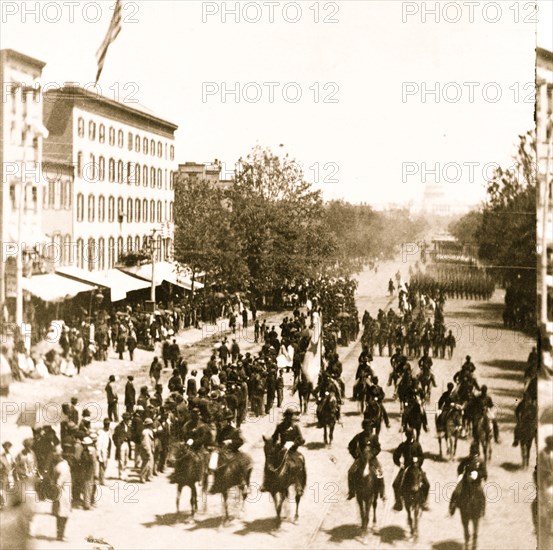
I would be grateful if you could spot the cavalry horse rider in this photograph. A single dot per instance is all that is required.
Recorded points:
(229, 440)
(471, 463)
(466, 381)
(365, 442)
(288, 436)
(377, 393)
(327, 386)
(409, 450)
(483, 404)
(444, 403)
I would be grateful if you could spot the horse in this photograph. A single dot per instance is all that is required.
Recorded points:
(234, 469)
(328, 415)
(190, 469)
(425, 380)
(482, 433)
(373, 413)
(412, 496)
(366, 493)
(414, 417)
(283, 470)
(450, 424)
(471, 503)
(527, 430)
(305, 391)
(405, 388)
(360, 393)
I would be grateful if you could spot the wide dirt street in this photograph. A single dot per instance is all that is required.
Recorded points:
(143, 516)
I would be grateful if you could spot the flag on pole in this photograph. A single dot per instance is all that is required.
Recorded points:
(311, 365)
(113, 31)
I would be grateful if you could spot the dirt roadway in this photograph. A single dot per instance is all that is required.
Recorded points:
(142, 516)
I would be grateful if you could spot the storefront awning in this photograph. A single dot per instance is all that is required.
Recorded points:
(118, 282)
(54, 288)
(164, 271)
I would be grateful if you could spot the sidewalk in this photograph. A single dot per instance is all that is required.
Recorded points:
(196, 346)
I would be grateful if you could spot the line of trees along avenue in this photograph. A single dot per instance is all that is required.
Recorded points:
(504, 229)
(270, 228)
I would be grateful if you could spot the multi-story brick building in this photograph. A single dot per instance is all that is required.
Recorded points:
(117, 168)
(21, 135)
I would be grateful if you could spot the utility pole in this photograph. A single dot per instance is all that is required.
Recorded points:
(153, 251)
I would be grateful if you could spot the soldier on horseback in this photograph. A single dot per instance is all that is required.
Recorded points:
(329, 390)
(365, 442)
(466, 382)
(444, 403)
(288, 436)
(409, 450)
(197, 434)
(377, 393)
(469, 464)
(483, 405)
(229, 439)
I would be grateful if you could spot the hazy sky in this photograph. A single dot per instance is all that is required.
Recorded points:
(374, 61)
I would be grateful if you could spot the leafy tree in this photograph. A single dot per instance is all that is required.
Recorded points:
(276, 219)
(203, 233)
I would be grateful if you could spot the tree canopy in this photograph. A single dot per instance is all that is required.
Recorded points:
(270, 227)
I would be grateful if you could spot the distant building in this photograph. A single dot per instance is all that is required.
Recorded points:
(117, 167)
(21, 134)
(198, 171)
(435, 201)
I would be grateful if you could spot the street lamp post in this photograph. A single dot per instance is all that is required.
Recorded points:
(153, 260)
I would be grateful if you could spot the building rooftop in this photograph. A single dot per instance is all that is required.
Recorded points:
(8, 53)
(87, 97)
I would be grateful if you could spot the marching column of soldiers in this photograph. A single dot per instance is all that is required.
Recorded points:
(412, 332)
(454, 282)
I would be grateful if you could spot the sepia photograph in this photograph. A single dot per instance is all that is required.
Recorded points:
(276, 275)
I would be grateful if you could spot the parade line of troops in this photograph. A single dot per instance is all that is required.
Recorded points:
(205, 412)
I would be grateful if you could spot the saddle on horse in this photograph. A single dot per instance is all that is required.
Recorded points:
(228, 461)
(364, 464)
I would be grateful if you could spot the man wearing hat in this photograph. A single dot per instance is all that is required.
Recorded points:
(137, 426)
(88, 467)
(112, 398)
(73, 413)
(103, 445)
(175, 382)
(411, 451)
(122, 441)
(147, 451)
(364, 448)
(288, 435)
(84, 425)
(191, 385)
(196, 433)
(144, 397)
(229, 439)
(61, 506)
(130, 394)
(466, 466)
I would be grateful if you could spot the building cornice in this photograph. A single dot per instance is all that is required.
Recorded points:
(95, 103)
(9, 54)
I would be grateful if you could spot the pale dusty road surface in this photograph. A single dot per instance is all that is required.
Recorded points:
(143, 516)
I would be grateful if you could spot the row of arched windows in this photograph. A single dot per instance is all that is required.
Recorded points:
(95, 256)
(134, 142)
(131, 210)
(121, 172)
